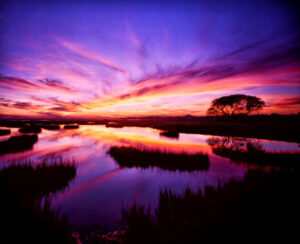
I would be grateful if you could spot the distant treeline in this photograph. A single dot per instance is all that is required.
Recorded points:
(273, 127)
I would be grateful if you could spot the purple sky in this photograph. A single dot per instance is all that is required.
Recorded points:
(119, 58)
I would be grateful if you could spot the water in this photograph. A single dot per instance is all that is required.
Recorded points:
(102, 188)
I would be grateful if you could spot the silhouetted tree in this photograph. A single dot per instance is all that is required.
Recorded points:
(235, 104)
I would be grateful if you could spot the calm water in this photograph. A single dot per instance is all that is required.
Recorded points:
(102, 188)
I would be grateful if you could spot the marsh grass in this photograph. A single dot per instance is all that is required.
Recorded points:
(4, 132)
(51, 127)
(30, 129)
(71, 126)
(262, 207)
(17, 144)
(170, 134)
(261, 157)
(25, 206)
(247, 151)
(142, 158)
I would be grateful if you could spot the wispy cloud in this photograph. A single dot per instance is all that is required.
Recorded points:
(294, 101)
(147, 60)
(15, 83)
(21, 105)
(8, 82)
(57, 85)
(93, 56)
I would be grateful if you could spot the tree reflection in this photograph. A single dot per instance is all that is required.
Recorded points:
(249, 151)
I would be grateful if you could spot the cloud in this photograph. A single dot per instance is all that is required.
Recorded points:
(56, 85)
(50, 115)
(294, 101)
(96, 57)
(139, 46)
(4, 100)
(9, 83)
(46, 85)
(55, 104)
(20, 105)
(62, 108)
(229, 66)
(254, 65)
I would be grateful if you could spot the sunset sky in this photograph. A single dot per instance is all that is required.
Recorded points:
(90, 59)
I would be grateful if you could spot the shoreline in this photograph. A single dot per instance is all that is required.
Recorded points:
(270, 127)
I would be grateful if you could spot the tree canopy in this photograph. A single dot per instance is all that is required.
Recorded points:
(235, 104)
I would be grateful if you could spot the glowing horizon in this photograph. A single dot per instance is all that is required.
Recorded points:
(65, 59)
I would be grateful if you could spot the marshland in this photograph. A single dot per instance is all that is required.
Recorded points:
(97, 184)
(149, 122)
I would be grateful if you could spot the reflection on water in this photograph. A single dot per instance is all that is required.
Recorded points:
(252, 152)
(263, 206)
(106, 183)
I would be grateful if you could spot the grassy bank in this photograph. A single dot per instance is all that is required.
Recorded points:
(17, 144)
(246, 151)
(4, 132)
(25, 206)
(141, 158)
(262, 207)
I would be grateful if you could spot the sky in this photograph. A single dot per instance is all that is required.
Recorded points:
(91, 59)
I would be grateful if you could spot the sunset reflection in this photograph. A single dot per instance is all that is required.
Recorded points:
(98, 173)
(141, 122)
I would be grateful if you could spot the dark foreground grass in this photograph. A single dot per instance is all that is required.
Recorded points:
(25, 206)
(134, 157)
(262, 207)
(17, 144)
(27, 181)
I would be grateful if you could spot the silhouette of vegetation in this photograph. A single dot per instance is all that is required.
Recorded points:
(25, 206)
(17, 144)
(30, 182)
(4, 132)
(12, 123)
(235, 104)
(169, 134)
(71, 126)
(262, 207)
(247, 151)
(134, 157)
(51, 127)
(273, 127)
(284, 128)
(30, 129)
